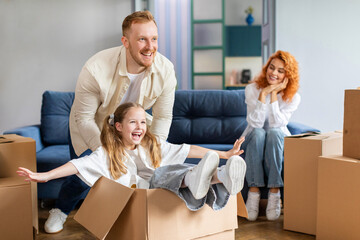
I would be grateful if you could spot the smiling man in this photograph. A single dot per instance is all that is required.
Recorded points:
(133, 72)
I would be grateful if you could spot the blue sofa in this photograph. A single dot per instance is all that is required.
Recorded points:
(210, 118)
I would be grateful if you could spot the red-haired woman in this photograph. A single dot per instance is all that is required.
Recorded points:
(271, 100)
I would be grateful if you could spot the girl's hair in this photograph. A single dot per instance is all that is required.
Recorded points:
(136, 17)
(291, 72)
(112, 142)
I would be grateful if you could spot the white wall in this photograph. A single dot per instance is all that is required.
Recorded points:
(323, 35)
(43, 46)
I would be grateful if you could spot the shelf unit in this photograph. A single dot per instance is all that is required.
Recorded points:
(207, 45)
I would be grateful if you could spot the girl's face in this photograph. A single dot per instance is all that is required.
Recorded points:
(275, 73)
(132, 128)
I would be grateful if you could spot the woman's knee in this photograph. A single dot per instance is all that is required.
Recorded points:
(275, 133)
(275, 136)
(258, 134)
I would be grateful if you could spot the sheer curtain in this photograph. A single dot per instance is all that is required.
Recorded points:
(173, 20)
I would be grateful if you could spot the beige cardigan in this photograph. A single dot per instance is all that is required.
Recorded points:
(102, 84)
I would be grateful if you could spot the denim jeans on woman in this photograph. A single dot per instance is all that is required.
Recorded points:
(264, 155)
(170, 177)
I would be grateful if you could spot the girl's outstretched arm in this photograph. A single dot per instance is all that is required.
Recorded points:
(62, 171)
(199, 152)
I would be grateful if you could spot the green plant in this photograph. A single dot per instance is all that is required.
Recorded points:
(249, 10)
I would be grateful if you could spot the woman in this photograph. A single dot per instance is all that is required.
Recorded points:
(271, 100)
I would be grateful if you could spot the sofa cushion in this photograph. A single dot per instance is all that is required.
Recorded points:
(55, 113)
(52, 157)
(208, 116)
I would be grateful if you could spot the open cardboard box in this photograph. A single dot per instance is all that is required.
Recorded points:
(17, 151)
(113, 211)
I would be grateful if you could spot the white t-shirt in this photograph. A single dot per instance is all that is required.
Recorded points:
(139, 168)
(133, 92)
(268, 115)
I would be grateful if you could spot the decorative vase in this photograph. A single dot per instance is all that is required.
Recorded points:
(250, 19)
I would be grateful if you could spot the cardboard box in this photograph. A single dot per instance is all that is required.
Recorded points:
(300, 177)
(17, 151)
(15, 209)
(112, 211)
(338, 213)
(352, 124)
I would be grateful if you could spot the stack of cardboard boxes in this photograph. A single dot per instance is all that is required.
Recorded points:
(338, 215)
(18, 199)
(322, 179)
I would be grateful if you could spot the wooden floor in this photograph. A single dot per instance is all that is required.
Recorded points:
(258, 230)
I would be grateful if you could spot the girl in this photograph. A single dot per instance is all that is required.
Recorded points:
(132, 155)
(271, 100)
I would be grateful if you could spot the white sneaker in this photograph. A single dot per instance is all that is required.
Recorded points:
(232, 174)
(252, 205)
(273, 209)
(198, 179)
(55, 221)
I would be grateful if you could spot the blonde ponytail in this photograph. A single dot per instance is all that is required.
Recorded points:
(111, 142)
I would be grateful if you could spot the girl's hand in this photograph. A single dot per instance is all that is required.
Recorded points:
(31, 176)
(236, 148)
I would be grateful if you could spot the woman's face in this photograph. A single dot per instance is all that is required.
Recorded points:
(275, 72)
(132, 128)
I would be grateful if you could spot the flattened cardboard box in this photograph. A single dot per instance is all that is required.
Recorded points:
(351, 142)
(112, 211)
(15, 209)
(300, 177)
(338, 213)
(16, 151)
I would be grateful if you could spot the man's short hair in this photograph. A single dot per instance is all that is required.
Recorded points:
(136, 17)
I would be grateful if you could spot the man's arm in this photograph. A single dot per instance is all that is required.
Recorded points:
(86, 103)
(163, 108)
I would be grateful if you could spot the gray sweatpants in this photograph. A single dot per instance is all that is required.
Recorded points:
(171, 177)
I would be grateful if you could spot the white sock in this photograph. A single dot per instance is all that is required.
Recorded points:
(277, 194)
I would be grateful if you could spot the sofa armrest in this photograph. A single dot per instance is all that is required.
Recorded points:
(299, 128)
(29, 131)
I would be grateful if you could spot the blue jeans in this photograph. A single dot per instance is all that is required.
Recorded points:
(73, 189)
(171, 177)
(264, 153)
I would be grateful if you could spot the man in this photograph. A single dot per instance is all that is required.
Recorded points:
(134, 72)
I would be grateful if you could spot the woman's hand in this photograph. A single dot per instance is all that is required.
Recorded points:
(31, 176)
(266, 91)
(236, 148)
(281, 86)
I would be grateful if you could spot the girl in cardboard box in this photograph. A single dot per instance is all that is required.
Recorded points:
(271, 100)
(130, 154)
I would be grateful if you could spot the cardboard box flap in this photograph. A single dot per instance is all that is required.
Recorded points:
(105, 206)
(307, 134)
(9, 138)
(5, 140)
(241, 208)
(163, 204)
(317, 136)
